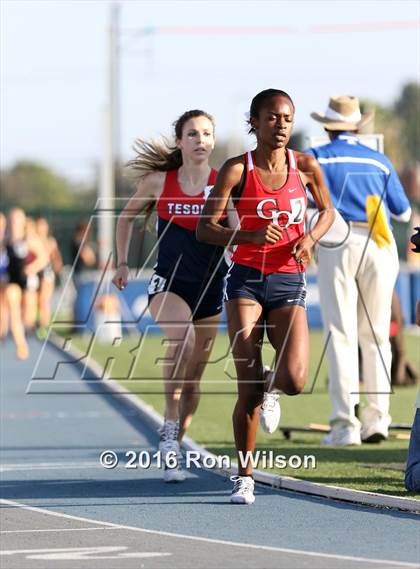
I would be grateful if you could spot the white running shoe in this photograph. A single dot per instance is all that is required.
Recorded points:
(173, 474)
(343, 435)
(169, 439)
(270, 408)
(243, 490)
(171, 452)
(270, 412)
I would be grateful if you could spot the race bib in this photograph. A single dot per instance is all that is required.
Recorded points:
(157, 284)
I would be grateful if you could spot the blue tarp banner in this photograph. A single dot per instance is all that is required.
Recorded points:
(133, 302)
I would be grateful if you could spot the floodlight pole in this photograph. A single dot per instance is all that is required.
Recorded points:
(111, 144)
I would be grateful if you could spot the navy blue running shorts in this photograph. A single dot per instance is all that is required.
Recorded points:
(270, 291)
(204, 299)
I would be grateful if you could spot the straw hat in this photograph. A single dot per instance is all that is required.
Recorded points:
(343, 113)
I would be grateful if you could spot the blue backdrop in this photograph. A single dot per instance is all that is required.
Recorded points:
(133, 301)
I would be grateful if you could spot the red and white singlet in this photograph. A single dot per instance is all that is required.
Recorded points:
(260, 205)
(173, 205)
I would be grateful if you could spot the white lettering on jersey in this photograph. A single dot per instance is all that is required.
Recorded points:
(282, 218)
(185, 208)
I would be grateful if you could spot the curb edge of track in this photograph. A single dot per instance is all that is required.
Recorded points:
(155, 420)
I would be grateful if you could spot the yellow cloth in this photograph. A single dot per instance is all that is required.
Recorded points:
(378, 223)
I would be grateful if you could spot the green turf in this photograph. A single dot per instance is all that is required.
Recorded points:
(376, 468)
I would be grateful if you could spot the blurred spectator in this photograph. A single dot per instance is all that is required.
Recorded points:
(47, 276)
(412, 473)
(83, 257)
(82, 253)
(35, 263)
(402, 371)
(412, 258)
(4, 279)
(26, 257)
(108, 318)
(410, 179)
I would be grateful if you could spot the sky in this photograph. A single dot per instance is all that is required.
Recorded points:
(175, 56)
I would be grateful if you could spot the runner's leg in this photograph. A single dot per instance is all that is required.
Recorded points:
(4, 312)
(287, 330)
(45, 293)
(30, 306)
(173, 315)
(205, 332)
(246, 332)
(14, 299)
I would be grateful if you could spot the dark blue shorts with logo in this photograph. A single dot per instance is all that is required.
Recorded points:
(270, 291)
(204, 299)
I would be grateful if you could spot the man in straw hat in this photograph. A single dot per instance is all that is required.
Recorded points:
(357, 274)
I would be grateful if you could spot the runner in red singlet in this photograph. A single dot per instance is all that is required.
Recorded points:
(266, 283)
(186, 289)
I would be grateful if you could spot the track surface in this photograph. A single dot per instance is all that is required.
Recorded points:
(81, 515)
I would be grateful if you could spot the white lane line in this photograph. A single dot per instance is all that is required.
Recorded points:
(52, 530)
(210, 540)
(83, 553)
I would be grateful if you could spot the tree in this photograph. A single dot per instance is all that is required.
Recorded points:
(399, 124)
(33, 186)
(408, 108)
(388, 123)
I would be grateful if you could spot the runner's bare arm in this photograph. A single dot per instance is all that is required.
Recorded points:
(209, 229)
(312, 177)
(56, 258)
(41, 257)
(148, 190)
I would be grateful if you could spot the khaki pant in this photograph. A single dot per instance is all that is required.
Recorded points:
(356, 282)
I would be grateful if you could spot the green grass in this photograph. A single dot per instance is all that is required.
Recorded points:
(369, 467)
